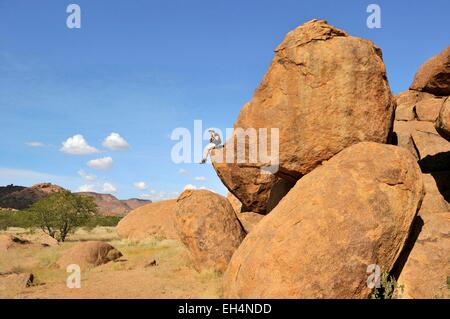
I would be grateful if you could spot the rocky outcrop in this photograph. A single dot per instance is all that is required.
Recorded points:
(148, 221)
(319, 91)
(108, 205)
(208, 227)
(422, 115)
(89, 254)
(25, 197)
(19, 197)
(355, 210)
(8, 242)
(434, 75)
(8, 189)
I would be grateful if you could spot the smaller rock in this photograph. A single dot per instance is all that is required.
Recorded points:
(411, 97)
(152, 263)
(425, 273)
(47, 241)
(208, 227)
(434, 151)
(403, 131)
(9, 241)
(434, 75)
(428, 109)
(235, 203)
(249, 220)
(434, 200)
(405, 112)
(89, 254)
(13, 281)
(443, 121)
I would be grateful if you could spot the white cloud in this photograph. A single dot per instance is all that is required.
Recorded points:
(182, 171)
(109, 188)
(189, 186)
(86, 176)
(77, 145)
(86, 188)
(101, 163)
(140, 185)
(200, 178)
(115, 142)
(35, 144)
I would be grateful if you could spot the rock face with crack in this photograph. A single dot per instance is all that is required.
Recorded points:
(319, 91)
(355, 210)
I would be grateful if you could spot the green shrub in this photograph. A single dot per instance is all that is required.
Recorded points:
(22, 219)
(28, 219)
(389, 289)
(98, 220)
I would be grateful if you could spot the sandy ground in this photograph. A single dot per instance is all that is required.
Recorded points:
(130, 277)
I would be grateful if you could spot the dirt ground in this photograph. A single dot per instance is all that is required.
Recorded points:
(130, 277)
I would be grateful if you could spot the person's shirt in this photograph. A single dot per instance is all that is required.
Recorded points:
(215, 138)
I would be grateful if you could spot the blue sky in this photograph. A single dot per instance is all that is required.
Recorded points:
(144, 68)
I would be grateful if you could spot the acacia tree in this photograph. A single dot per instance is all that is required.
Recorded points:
(60, 213)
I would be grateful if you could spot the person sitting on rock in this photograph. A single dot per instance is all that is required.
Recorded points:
(214, 142)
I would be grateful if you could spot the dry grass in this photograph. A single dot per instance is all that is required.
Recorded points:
(132, 276)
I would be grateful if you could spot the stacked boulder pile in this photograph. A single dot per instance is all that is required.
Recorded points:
(422, 125)
(361, 184)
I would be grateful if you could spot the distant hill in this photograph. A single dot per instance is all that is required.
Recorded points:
(111, 206)
(20, 197)
(134, 203)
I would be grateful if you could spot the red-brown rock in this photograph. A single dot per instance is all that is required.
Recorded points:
(207, 225)
(434, 75)
(355, 210)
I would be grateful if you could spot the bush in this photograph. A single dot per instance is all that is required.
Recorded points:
(60, 213)
(389, 289)
(28, 219)
(107, 221)
(22, 219)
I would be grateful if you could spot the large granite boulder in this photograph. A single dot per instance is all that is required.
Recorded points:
(354, 211)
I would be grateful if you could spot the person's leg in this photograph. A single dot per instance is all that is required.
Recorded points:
(207, 151)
